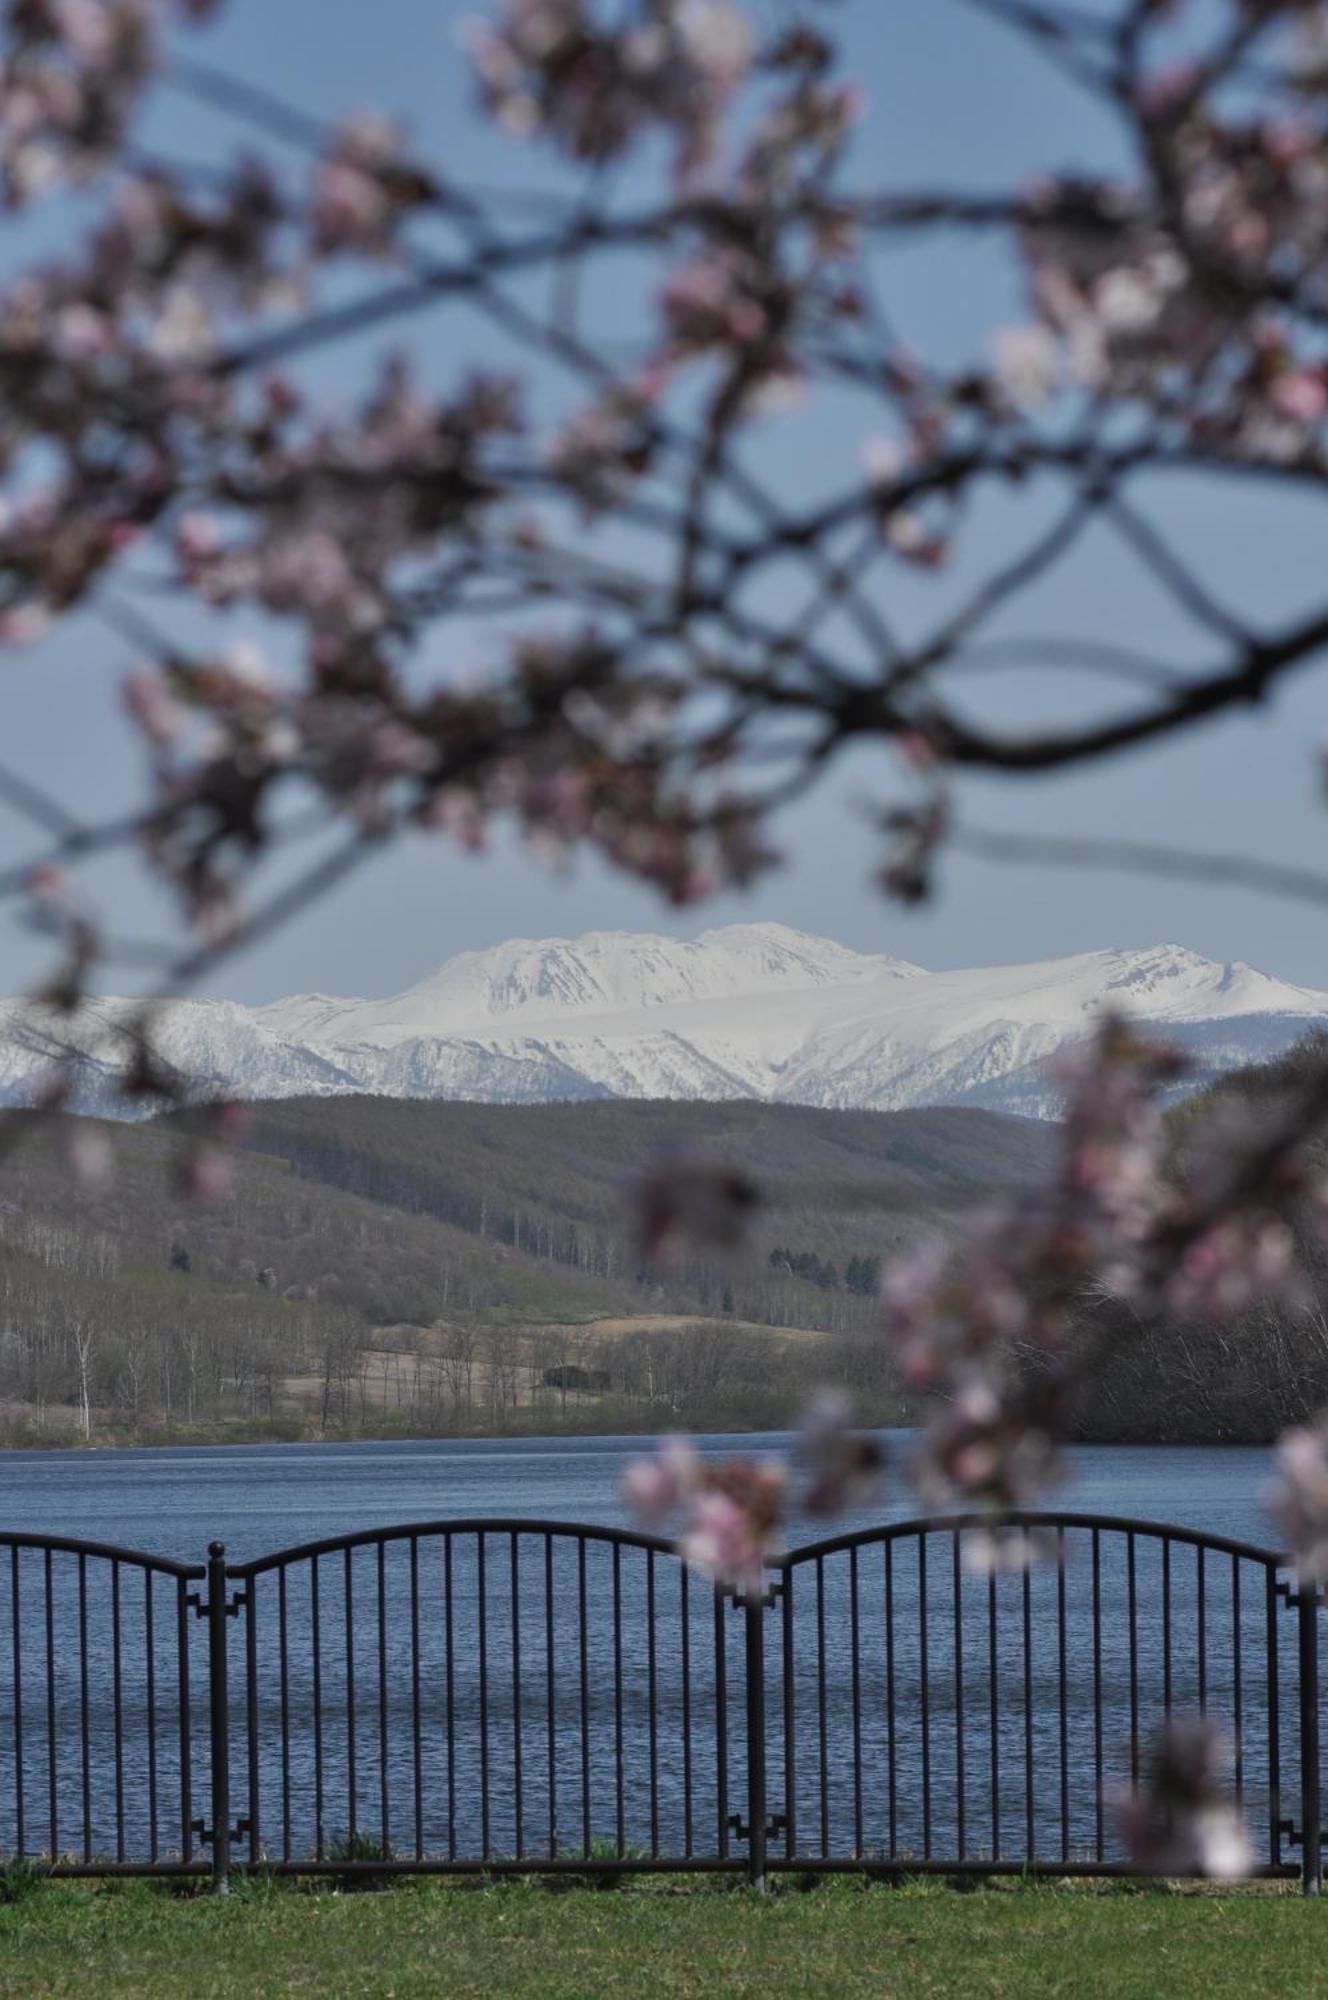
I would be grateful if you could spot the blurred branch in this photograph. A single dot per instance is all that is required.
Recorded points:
(1142, 857)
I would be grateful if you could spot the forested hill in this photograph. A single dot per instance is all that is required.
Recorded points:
(382, 1265)
(357, 1228)
(553, 1181)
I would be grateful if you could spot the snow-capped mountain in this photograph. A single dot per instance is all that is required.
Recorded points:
(753, 1010)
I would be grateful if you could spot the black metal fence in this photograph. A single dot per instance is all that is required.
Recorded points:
(515, 1695)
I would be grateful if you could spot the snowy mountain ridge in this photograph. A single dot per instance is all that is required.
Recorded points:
(750, 1010)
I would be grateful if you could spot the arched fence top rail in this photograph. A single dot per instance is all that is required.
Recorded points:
(455, 1524)
(75, 1545)
(1033, 1523)
(1030, 1521)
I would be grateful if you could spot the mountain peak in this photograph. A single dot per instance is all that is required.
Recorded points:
(608, 972)
(756, 1010)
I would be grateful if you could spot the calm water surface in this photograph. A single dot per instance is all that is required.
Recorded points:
(514, 1694)
(257, 1498)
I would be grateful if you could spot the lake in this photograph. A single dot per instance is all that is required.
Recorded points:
(258, 1498)
(469, 1694)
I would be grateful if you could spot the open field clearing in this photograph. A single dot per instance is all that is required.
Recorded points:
(406, 1369)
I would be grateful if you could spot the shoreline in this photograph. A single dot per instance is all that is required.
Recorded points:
(227, 1432)
(243, 1431)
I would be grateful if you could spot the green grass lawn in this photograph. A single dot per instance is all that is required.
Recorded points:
(521, 1939)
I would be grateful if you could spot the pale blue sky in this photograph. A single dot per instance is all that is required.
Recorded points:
(951, 101)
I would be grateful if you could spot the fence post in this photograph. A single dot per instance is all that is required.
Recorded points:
(1311, 1862)
(219, 1718)
(754, 1608)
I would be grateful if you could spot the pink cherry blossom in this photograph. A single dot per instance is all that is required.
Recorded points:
(842, 1466)
(1182, 1820)
(720, 1542)
(658, 1486)
(730, 1511)
(154, 710)
(594, 82)
(1298, 1500)
(695, 1202)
